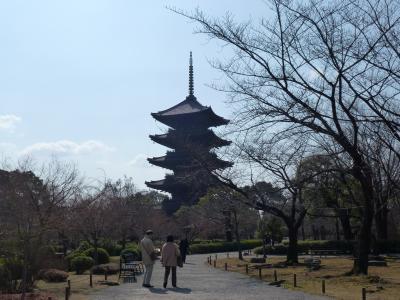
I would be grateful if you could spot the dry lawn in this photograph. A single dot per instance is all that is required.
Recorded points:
(382, 283)
(80, 287)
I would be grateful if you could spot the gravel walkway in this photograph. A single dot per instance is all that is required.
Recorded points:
(201, 282)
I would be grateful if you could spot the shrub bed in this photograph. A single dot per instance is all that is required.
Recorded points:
(53, 275)
(101, 269)
(213, 247)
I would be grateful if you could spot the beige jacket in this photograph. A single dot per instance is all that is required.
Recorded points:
(147, 247)
(169, 255)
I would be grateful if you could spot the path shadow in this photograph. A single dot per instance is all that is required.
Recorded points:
(180, 290)
(188, 264)
(158, 291)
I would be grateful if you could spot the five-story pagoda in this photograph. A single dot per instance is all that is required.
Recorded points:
(191, 140)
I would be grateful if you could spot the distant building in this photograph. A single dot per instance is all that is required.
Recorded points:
(190, 159)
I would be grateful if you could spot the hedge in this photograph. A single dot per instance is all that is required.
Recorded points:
(389, 246)
(213, 247)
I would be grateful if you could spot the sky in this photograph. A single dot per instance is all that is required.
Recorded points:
(79, 78)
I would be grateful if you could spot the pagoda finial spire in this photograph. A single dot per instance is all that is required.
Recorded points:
(191, 87)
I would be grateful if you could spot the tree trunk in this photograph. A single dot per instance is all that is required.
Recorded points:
(96, 254)
(237, 235)
(381, 222)
(303, 234)
(365, 234)
(292, 255)
(314, 232)
(337, 229)
(264, 247)
(364, 244)
(346, 225)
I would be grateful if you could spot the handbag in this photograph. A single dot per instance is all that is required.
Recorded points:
(153, 255)
(179, 261)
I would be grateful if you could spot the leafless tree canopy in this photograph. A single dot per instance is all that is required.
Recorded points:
(323, 71)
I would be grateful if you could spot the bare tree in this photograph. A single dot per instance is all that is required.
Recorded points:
(225, 206)
(326, 68)
(31, 207)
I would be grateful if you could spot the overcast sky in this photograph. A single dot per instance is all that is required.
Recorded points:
(79, 78)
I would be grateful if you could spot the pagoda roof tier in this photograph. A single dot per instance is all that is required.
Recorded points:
(181, 161)
(174, 139)
(169, 184)
(189, 113)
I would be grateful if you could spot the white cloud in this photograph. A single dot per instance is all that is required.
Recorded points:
(66, 147)
(9, 122)
(139, 160)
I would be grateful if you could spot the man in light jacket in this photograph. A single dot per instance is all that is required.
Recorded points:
(147, 248)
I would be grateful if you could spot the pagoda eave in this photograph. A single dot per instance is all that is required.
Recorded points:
(206, 118)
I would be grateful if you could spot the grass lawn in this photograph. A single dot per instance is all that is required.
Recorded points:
(381, 283)
(80, 288)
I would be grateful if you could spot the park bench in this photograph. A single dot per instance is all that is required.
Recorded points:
(129, 266)
(313, 263)
(247, 252)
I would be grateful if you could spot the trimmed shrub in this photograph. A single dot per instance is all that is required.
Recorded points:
(81, 263)
(10, 273)
(213, 247)
(53, 275)
(102, 255)
(71, 256)
(113, 248)
(83, 246)
(101, 269)
(134, 250)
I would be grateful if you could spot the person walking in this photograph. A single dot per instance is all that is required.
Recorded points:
(148, 257)
(169, 259)
(183, 248)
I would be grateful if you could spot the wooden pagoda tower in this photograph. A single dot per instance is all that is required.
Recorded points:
(191, 157)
